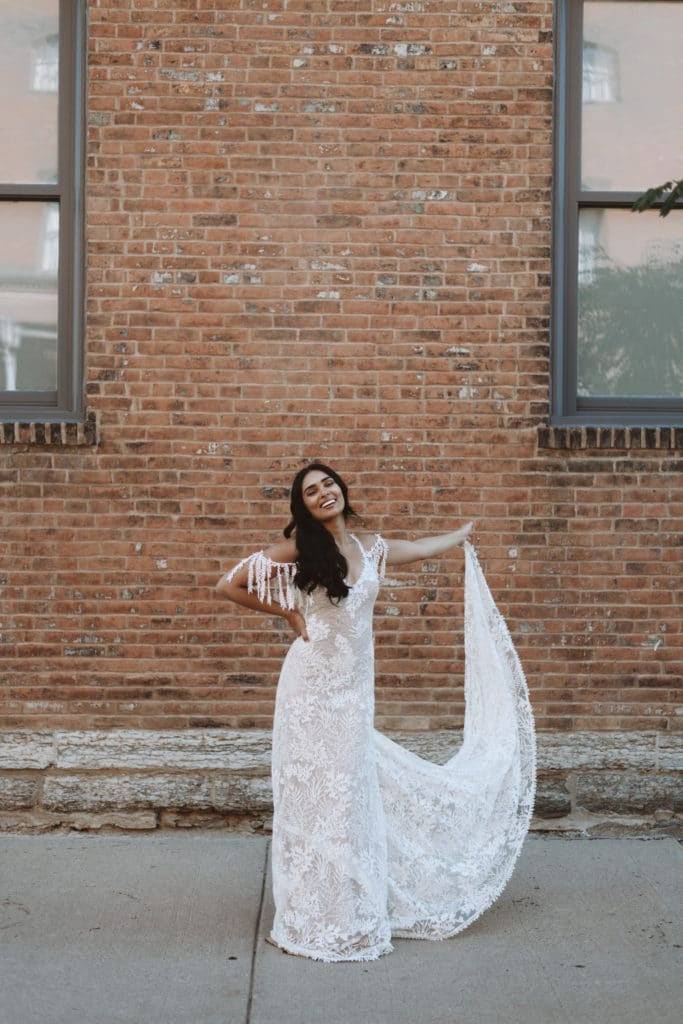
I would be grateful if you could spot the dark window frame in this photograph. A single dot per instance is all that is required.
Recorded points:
(66, 403)
(566, 407)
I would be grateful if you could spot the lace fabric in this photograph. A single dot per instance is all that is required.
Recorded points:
(371, 841)
(260, 579)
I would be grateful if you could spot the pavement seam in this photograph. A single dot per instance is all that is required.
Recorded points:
(257, 929)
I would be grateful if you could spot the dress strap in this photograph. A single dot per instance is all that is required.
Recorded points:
(362, 547)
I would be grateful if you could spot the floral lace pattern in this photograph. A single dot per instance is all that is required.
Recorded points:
(370, 840)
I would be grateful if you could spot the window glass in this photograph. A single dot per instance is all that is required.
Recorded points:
(29, 56)
(28, 296)
(631, 134)
(630, 304)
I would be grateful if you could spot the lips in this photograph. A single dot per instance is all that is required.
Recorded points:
(329, 503)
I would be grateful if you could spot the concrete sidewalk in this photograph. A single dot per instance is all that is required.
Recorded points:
(169, 929)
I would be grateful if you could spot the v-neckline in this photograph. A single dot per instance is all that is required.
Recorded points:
(362, 571)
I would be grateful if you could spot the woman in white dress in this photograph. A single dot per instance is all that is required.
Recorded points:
(371, 841)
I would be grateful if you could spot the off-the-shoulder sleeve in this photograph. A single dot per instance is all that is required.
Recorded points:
(378, 551)
(278, 587)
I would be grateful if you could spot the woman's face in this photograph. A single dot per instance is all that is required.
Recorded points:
(322, 495)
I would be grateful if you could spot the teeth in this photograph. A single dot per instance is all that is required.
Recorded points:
(327, 504)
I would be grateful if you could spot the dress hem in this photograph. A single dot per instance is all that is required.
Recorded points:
(366, 954)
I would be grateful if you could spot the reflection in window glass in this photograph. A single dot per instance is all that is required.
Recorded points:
(589, 234)
(631, 136)
(28, 296)
(29, 73)
(51, 239)
(600, 74)
(46, 65)
(630, 305)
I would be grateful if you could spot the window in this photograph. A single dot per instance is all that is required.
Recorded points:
(42, 51)
(617, 339)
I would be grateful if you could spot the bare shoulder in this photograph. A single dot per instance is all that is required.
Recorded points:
(282, 551)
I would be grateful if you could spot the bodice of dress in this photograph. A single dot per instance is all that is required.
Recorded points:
(350, 616)
(274, 581)
(337, 660)
(338, 655)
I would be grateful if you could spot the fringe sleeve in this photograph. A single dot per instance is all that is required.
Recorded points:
(279, 587)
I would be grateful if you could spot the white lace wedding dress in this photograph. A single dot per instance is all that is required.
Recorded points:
(370, 840)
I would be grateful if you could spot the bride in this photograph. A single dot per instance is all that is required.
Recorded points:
(370, 841)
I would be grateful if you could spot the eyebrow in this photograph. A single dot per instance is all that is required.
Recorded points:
(307, 489)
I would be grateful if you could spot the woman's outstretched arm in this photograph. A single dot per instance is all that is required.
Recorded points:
(401, 552)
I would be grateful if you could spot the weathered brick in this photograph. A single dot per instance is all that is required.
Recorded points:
(628, 791)
(306, 239)
(18, 791)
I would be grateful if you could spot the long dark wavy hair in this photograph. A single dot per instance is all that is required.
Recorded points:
(319, 560)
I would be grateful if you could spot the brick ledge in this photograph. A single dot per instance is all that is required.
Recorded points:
(64, 434)
(607, 436)
(148, 779)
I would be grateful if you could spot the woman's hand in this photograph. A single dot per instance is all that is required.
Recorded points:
(297, 622)
(466, 530)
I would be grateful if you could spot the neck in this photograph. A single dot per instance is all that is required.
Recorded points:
(337, 527)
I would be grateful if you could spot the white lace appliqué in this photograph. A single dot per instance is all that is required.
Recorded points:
(371, 841)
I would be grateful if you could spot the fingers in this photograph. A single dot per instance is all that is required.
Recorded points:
(466, 530)
(299, 625)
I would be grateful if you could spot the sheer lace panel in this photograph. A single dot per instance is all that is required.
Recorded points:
(378, 553)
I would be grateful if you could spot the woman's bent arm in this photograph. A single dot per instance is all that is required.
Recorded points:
(271, 569)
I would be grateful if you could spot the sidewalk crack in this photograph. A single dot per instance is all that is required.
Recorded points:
(254, 949)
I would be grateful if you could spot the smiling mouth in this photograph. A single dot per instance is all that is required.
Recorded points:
(329, 503)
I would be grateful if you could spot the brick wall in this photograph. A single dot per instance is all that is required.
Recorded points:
(322, 230)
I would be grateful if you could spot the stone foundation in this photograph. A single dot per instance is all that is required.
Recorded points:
(589, 783)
